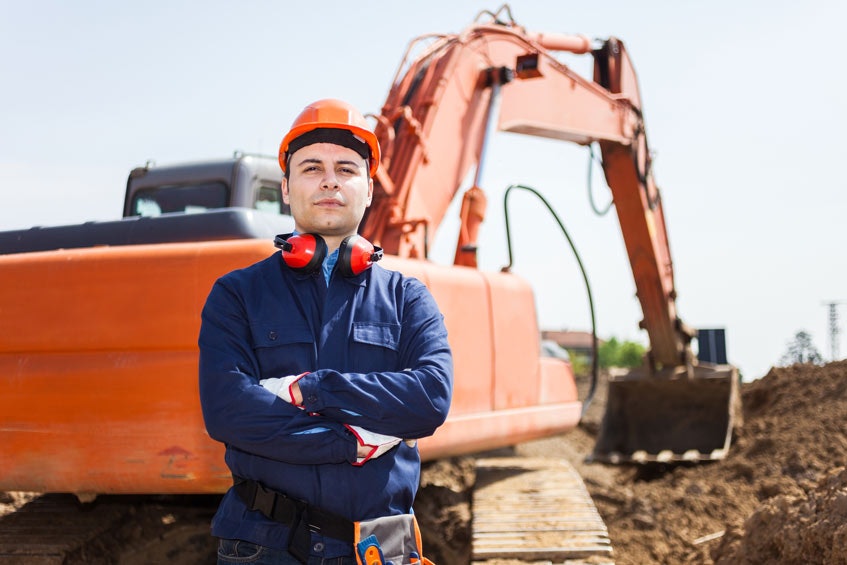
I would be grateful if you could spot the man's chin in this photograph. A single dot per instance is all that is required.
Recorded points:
(332, 229)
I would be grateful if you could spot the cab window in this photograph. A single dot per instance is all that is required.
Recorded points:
(154, 201)
(269, 199)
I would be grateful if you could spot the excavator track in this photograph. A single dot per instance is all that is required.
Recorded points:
(535, 510)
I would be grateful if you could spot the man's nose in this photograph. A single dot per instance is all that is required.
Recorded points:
(330, 181)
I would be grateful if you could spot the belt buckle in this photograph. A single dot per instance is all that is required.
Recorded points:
(309, 518)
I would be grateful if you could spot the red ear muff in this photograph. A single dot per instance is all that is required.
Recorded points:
(356, 255)
(302, 252)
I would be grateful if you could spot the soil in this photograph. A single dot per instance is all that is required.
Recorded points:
(780, 495)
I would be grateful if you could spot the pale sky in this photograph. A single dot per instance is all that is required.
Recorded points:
(744, 105)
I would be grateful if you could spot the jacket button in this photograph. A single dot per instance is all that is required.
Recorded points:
(318, 547)
(272, 335)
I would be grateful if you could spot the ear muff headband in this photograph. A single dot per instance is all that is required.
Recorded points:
(306, 252)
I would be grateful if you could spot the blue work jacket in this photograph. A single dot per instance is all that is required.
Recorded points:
(375, 349)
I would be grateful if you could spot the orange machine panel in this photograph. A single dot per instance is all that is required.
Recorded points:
(556, 382)
(517, 341)
(117, 422)
(113, 298)
(462, 294)
(98, 368)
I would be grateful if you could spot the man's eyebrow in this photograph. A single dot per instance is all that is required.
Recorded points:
(348, 162)
(315, 160)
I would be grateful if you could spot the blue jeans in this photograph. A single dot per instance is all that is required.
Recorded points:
(232, 552)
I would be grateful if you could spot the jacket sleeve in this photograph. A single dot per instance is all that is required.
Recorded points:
(241, 413)
(408, 403)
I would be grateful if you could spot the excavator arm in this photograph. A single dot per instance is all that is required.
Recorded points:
(434, 125)
(444, 104)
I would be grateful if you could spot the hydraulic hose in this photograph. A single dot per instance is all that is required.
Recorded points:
(595, 362)
(591, 159)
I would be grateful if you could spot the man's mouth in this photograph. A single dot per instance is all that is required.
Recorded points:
(329, 203)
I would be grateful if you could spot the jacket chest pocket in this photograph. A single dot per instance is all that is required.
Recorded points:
(282, 348)
(376, 346)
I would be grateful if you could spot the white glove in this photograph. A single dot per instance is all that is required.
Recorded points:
(281, 386)
(378, 443)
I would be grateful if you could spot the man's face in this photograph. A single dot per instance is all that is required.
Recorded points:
(328, 189)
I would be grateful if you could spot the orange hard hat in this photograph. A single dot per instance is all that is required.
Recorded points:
(332, 114)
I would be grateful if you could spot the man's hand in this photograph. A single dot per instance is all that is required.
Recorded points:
(371, 444)
(286, 388)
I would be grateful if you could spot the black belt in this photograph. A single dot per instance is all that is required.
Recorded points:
(301, 517)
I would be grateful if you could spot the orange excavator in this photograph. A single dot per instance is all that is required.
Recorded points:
(98, 340)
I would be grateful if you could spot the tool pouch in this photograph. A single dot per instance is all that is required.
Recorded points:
(392, 539)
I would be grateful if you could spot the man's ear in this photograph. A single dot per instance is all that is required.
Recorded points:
(284, 188)
(370, 190)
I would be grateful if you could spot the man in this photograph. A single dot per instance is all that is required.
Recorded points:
(314, 363)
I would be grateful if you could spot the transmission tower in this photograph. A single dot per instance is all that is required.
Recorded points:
(834, 330)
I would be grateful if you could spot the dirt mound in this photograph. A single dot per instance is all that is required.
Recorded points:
(793, 529)
(785, 462)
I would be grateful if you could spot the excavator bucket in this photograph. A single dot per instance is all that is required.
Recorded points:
(678, 415)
